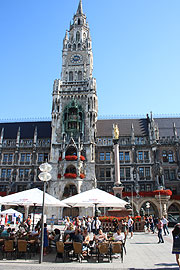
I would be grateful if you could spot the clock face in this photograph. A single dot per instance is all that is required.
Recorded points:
(76, 58)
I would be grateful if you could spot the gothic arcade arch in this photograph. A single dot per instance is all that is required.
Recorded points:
(174, 209)
(152, 210)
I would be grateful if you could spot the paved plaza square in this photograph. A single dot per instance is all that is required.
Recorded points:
(143, 252)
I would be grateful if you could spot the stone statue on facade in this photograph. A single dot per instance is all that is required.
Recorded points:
(158, 172)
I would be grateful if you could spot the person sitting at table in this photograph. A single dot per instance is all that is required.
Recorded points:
(67, 233)
(6, 233)
(77, 236)
(86, 239)
(35, 233)
(118, 236)
(100, 237)
(54, 237)
(12, 233)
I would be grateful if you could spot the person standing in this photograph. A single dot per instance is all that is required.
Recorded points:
(6, 219)
(160, 227)
(46, 239)
(165, 225)
(130, 226)
(2, 222)
(176, 242)
(95, 225)
(52, 223)
(28, 222)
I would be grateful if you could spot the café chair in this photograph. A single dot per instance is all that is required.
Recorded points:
(77, 246)
(103, 251)
(117, 248)
(9, 248)
(60, 250)
(22, 249)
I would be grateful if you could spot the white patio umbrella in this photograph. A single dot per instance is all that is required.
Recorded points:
(31, 197)
(95, 197)
(11, 212)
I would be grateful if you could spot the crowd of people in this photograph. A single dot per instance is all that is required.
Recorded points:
(160, 224)
(87, 230)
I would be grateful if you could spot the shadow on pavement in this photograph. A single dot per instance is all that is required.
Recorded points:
(163, 268)
(143, 243)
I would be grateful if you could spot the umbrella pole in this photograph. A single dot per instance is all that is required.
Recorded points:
(95, 217)
(42, 226)
(34, 214)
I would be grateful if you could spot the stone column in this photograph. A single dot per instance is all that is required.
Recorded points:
(163, 201)
(117, 184)
(117, 163)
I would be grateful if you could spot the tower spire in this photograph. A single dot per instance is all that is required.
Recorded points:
(80, 9)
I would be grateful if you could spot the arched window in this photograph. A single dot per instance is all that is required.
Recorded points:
(79, 75)
(77, 36)
(79, 21)
(74, 47)
(79, 45)
(70, 76)
(69, 47)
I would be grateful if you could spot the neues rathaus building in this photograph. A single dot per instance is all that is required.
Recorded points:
(80, 147)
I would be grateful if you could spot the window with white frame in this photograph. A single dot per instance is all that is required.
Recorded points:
(121, 156)
(3, 173)
(101, 156)
(7, 157)
(108, 173)
(127, 157)
(108, 155)
(148, 187)
(25, 157)
(140, 156)
(147, 172)
(141, 173)
(170, 156)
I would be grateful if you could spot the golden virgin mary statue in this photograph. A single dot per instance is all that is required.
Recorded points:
(115, 132)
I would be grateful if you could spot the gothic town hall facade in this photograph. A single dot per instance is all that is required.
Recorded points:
(80, 147)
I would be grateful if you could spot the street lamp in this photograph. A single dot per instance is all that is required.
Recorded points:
(44, 176)
(148, 206)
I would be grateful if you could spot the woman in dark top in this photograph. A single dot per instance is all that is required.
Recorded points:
(46, 238)
(176, 242)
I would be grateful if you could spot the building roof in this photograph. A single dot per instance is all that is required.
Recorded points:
(105, 127)
(165, 126)
(26, 129)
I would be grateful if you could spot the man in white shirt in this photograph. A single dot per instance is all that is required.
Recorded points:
(118, 236)
(165, 225)
(96, 223)
(130, 226)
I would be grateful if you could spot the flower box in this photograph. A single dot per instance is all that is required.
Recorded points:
(59, 175)
(71, 158)
(82, 158)
(70, 175)
(82, 175)
(166, 192)
(60, 158)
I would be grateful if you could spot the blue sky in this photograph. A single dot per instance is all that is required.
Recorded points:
(136, 55)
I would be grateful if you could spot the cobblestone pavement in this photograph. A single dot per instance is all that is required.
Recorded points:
(143, 252)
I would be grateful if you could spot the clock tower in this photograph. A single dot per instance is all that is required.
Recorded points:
(74, 114)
